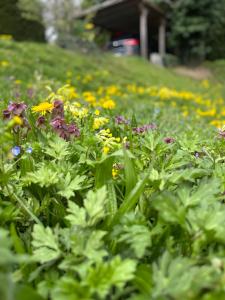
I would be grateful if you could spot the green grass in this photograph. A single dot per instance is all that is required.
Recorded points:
(218, 70)
(28, 60)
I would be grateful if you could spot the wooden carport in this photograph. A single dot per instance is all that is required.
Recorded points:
(140, 17)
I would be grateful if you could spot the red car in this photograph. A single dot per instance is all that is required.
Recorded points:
(123, 45)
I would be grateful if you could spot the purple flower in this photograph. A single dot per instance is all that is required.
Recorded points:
(222, 133)
(41, 122)
(121, 120)
(73, 130)
(58, 123)
(6, 114)
(17, 108)
(65, 131)
(16, 150)
(58, 110)
(144, 128)
(169, 140)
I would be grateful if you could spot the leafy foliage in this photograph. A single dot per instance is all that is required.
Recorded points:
(45, 245)
(195, 28)
(133, 209)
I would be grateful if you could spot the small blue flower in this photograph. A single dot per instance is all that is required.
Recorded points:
(156, 111)
(16, 150)
(29, 150)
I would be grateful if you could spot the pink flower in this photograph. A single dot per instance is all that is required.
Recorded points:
(169, 140)
(58, 110)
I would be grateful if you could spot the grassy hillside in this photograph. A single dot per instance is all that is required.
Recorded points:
(218, 70)
(28, 62)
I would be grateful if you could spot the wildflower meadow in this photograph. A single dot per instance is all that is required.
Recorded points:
(112, 185)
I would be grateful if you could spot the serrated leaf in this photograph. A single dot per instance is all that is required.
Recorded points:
(44, 177)
(57, 148)
(77, 215)
(106, 275)
(175, 277)
(95, 205)
(67, 288)
(132, 234)
(169, 208)
(68, 186)
(45, 244)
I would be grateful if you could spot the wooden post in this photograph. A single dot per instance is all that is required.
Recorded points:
(162, 37)
(144, 31)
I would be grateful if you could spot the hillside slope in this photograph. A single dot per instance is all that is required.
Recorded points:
(28, 61)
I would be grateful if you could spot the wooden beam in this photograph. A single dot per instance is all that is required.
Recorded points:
(144, 31)
(95, 8)
(162, 37)
(153, 7)
(81, 13)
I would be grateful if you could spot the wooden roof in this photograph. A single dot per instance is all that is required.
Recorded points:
(122, 15)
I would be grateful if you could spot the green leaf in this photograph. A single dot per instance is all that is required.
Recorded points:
(176, 277)
(143, 279)
(169, 208)
(205, 191)
(77, 215)
(111, 203)
(17, 242)
(187, 175)
(58, 148)
(45, 244)
(68, 185)
(67, 288)
(44, 176)
(95, 205)
(23, 292)
(104, 172)
(131, 200)
(93, 210)
(132, 234)
(107, 275)
(130, 173)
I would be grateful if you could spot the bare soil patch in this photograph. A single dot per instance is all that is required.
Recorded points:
(198, 73)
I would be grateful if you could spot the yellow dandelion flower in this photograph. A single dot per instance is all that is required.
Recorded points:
(18, 82)
(97, 112)
(89, 97)
(4, 63)
(209, 113)
(217, 123)
(43, 108)
(89, 26)
(87, 78)
(17, 120)
(108, 104)
(185, 113)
